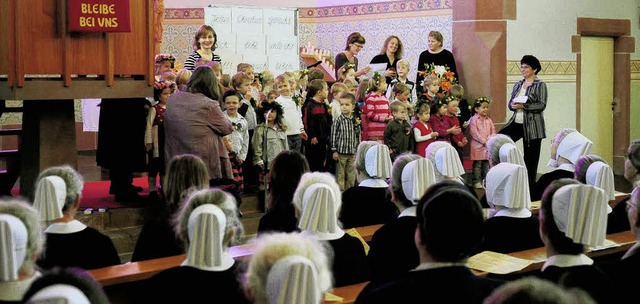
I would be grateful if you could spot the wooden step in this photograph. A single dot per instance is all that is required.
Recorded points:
(12, 131)
(9, 153)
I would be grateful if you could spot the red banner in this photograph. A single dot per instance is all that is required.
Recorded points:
(99, 16)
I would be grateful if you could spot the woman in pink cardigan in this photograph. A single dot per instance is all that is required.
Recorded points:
(480, 128)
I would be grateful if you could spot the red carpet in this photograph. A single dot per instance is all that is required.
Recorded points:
(96, 195)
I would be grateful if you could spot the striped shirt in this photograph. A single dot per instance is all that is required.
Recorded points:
(190, 63)
(345, 135)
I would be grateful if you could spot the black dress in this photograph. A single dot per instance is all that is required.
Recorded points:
(545, 180)
(349, 261)
(186, 284)
(157, 238)
(505, 234)
(621, 270)
(393, 249)
(87, 249)
(587, 277)
(455, 284)
(364, 206)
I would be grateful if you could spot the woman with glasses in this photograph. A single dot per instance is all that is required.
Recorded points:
(355, 42)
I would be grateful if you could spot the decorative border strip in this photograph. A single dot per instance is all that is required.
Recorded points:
(374, 8)
(559, 67)
(184, 13)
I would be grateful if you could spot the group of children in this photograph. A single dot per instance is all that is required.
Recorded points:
(299, 111)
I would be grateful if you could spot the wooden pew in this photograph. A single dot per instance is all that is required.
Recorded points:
(625, 240)
(138, 271)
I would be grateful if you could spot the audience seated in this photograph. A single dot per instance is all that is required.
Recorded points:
(21, 241)
(208, 223)
(450, 227)
(532, 290)
(185, 173)
(70, 243)
(367, 203)
(286, 170)
(572, 219)
(501, 148)
(510, 225)
(317, 201)
(446, 160)
(65, 285)
(288, 268)
(568, 145)
(593, 170)
(392, 247)
(622, 270)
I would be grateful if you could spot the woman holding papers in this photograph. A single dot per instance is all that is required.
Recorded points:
(355, 43)
(528, 100)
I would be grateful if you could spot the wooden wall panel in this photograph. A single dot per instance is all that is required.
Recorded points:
(41, 49)
(131, 49)
(6, 34)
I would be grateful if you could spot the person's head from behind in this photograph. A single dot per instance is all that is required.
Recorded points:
(582, 166)
(403, 68)
(226, 81)
(203, 81)
(247, 69)
(68, 285)
(398, 110)
(632, 163)
(355, 42)
(280, 261)
(21, 239)
(318, 90)
(481, 106)
(372, 160)
(185, 173)
(205, 38)
(494, 145)
(286, 170)
(317, 203)
(362, 90)
(58, 192)
(315, 73)
(202, 61)
(241, 82)
(456, 90)
(377, 83)
(450, 223)
(633, 211)
(182, 79)
(347, 103)
(431, 84)
(283, 86)
(534, 290)
(401, 92)
(338, 88)
(564, 224)
(208, 224)
(411, 175)
(232, 102)
(271, 96)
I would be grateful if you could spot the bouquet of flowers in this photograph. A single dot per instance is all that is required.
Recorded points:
(447, 77)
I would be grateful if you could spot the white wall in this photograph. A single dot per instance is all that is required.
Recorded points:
(544, 27)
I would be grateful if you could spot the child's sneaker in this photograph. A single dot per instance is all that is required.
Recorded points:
(478, 185)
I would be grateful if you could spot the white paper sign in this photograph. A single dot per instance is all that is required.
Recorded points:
(279, 64)
(230, 62)
(250, 44)
(219, 18)
(226, 42)
(279, 22)
(259, 63)
(281, 45)
(521, 99)
(247, 20)
(90, 114)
